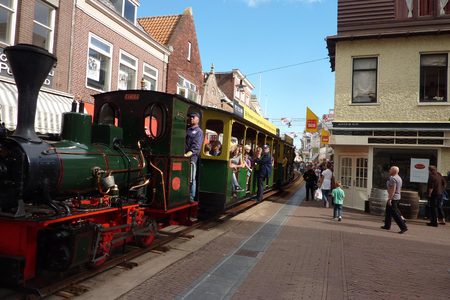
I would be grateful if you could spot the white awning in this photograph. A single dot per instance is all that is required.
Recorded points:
(314, 156)
(48, 113)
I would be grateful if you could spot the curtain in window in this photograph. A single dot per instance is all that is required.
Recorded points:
(409, 3)
(443, 4)
(438, 60)
(364, 85)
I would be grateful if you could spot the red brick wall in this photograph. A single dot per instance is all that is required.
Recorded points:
(62, 37)
(178, 63)
(85, 24)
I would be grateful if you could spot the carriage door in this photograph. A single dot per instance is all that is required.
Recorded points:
(353, 175)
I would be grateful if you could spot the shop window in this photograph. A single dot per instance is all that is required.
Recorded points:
(433, 77)
(364, 80)
(108, 114)
(43, 25)
(99, 64)
(214, 136)
(150, 78)
(155, 121)
(7, 21)
(127, 72)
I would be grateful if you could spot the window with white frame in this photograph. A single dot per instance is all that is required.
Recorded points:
(364, 80)
(43, 25)
(127, 71)
(8, 14)
(99, 64)
(433, 77)
(189, 51)
(150, 77)
(187, 90)
(126, 9)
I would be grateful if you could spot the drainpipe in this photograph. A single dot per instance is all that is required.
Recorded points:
(72, 33)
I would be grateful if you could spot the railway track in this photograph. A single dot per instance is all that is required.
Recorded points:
(38, 293)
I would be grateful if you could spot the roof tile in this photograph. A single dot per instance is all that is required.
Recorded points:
(160, 28)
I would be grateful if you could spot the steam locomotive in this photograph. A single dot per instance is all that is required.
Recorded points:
(67, 201)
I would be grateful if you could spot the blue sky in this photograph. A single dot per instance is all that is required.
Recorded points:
(259, 35)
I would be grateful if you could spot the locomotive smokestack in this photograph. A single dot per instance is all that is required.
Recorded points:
(30, 66)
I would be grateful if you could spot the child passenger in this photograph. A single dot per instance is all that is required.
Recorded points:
(247, 165)
(338, 195)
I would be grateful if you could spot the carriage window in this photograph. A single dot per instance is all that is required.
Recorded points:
(108, 115)
(155, 123)
(213, 137)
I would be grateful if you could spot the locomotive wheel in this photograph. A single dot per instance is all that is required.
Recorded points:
(102, 249)
(145, 240)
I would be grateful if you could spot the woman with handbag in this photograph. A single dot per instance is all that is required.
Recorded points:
(325, 184)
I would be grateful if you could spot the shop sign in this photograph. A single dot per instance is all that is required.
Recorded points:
(419, 170)
(5, 71)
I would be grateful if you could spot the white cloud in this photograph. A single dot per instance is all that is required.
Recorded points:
(255, 3)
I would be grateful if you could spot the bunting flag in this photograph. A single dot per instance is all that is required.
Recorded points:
(285, 121)
(294, 134)
(325, 137)
(312, 121)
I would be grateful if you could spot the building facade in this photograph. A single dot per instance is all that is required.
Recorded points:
(184, 72)
(47, 24)
(391, 93)
(235, 86)
(111, 50)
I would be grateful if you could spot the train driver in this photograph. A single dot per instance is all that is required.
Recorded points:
(192, 148)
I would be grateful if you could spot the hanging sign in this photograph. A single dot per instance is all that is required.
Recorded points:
(325, 137)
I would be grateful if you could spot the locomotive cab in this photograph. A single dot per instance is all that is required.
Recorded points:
(158, 122)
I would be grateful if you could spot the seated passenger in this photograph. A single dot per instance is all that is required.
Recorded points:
(235, 163)
(216, 148)
(208, 148)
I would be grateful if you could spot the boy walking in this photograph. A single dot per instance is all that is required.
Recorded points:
(338, 195)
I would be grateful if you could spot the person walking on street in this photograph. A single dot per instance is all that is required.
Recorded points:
(435, 194)
(310, 181)
(394, 186)
(325, 184)
(192, 147)
(338, 195)
(264, 170)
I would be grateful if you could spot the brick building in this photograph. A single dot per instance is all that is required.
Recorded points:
(111, 51)
(184, 72)
(235, 86)
(213, 95)
(48, 24)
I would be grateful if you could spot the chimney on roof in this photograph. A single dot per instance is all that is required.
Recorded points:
(212, 68)
(188, 11)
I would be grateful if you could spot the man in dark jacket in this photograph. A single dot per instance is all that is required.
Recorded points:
(310, 180)
(192, 147)
(263, 170)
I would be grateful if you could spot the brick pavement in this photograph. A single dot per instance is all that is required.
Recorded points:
(316, 257)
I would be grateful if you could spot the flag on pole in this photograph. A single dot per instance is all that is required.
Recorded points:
(312, 121)
(325, 137)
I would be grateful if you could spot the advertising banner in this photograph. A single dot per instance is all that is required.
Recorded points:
(419, 170)
(325, 137)
(312, 121)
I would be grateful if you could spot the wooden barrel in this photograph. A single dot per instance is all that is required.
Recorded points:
(409, 204)
(377, 202)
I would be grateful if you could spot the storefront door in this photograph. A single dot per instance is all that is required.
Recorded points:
(353, 176)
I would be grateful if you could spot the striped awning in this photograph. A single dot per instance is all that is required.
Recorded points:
(48, 114)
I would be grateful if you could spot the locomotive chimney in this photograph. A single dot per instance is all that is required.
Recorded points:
(30, 66)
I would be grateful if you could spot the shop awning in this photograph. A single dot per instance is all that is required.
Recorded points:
(48, 114)
(314, 156)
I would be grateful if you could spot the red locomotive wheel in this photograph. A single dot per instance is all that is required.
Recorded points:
(102, 249)
(145, 240)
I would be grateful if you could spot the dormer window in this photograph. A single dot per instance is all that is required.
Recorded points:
(126, 8)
